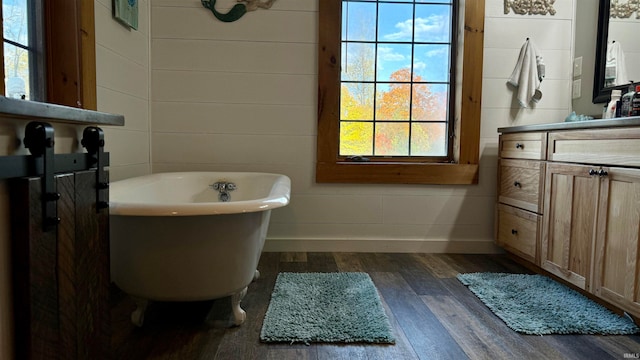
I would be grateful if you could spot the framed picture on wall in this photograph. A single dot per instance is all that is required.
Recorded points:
(126, 12)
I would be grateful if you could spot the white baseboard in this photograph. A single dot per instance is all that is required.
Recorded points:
(382, 246)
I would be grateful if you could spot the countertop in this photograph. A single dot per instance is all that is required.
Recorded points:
(33, 110)
(589, 124)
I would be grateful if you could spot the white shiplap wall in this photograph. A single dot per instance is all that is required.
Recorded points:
(242, 97)
(122, 74)
(504, 36)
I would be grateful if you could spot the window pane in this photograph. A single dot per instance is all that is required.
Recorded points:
(356, 101)
(16, 71)
(429, 102)
(398, 76)
(431, 63)
(391, 59)
(14, 17)
(356, 138)
(429, 139)
(393, 101)
(358, 21)
(395, 22)
(392, 139)
(433, 23)
(358, 62)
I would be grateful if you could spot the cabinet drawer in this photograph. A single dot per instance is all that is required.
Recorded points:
(524, 146)
(602, 146)
(521, 184)
(519, 232)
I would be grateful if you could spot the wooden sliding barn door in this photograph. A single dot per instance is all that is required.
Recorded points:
(62, 275)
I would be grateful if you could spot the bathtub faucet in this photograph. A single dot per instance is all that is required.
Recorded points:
(223, 187)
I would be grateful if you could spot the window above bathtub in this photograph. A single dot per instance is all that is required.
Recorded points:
(390, 109)
(49, 52)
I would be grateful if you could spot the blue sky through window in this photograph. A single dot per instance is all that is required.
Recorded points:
(395, 26)
(15, 27)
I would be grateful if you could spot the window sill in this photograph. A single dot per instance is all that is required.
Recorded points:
(34, 110)
(396, 173)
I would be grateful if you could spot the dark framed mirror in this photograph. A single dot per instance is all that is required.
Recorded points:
(602, 78)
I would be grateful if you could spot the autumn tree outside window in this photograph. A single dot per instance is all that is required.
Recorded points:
(397, 124)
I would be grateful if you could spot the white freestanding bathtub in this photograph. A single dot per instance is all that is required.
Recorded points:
(190, 236)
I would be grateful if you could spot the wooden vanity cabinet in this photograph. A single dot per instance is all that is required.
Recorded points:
(587, 208)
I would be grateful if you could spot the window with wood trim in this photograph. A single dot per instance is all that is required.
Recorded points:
(49, 51)
(23, 49)
(383, 124)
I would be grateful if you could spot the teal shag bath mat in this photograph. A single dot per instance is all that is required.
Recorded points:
(538, 305)
(325, 307)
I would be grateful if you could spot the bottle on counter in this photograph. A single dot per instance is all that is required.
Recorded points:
(635, 103)
(613, 104)
(625, 107)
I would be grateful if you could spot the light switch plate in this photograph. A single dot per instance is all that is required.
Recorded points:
(577, 89)
(577, 67)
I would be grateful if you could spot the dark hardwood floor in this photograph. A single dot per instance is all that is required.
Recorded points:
(433, 316)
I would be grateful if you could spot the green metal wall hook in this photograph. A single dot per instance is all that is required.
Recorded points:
(236, 12)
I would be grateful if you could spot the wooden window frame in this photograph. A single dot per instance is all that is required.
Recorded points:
(331, 168)
(70, 53)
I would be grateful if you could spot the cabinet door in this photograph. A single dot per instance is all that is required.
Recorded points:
(61, 293)
(570, 209)
(616, 277)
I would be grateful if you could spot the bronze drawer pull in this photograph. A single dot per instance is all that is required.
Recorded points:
(592, 172)
(602, 173)
(519, 146)
(517, 184)
(514, 231)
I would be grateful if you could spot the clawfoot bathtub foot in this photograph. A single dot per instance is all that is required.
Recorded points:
(256, 275)
(137, 316)
(239, 315)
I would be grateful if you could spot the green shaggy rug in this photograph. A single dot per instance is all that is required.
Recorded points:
(538, 305)
(325, 307)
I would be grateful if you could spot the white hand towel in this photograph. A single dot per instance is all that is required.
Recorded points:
(528, 74)
(616, 68)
